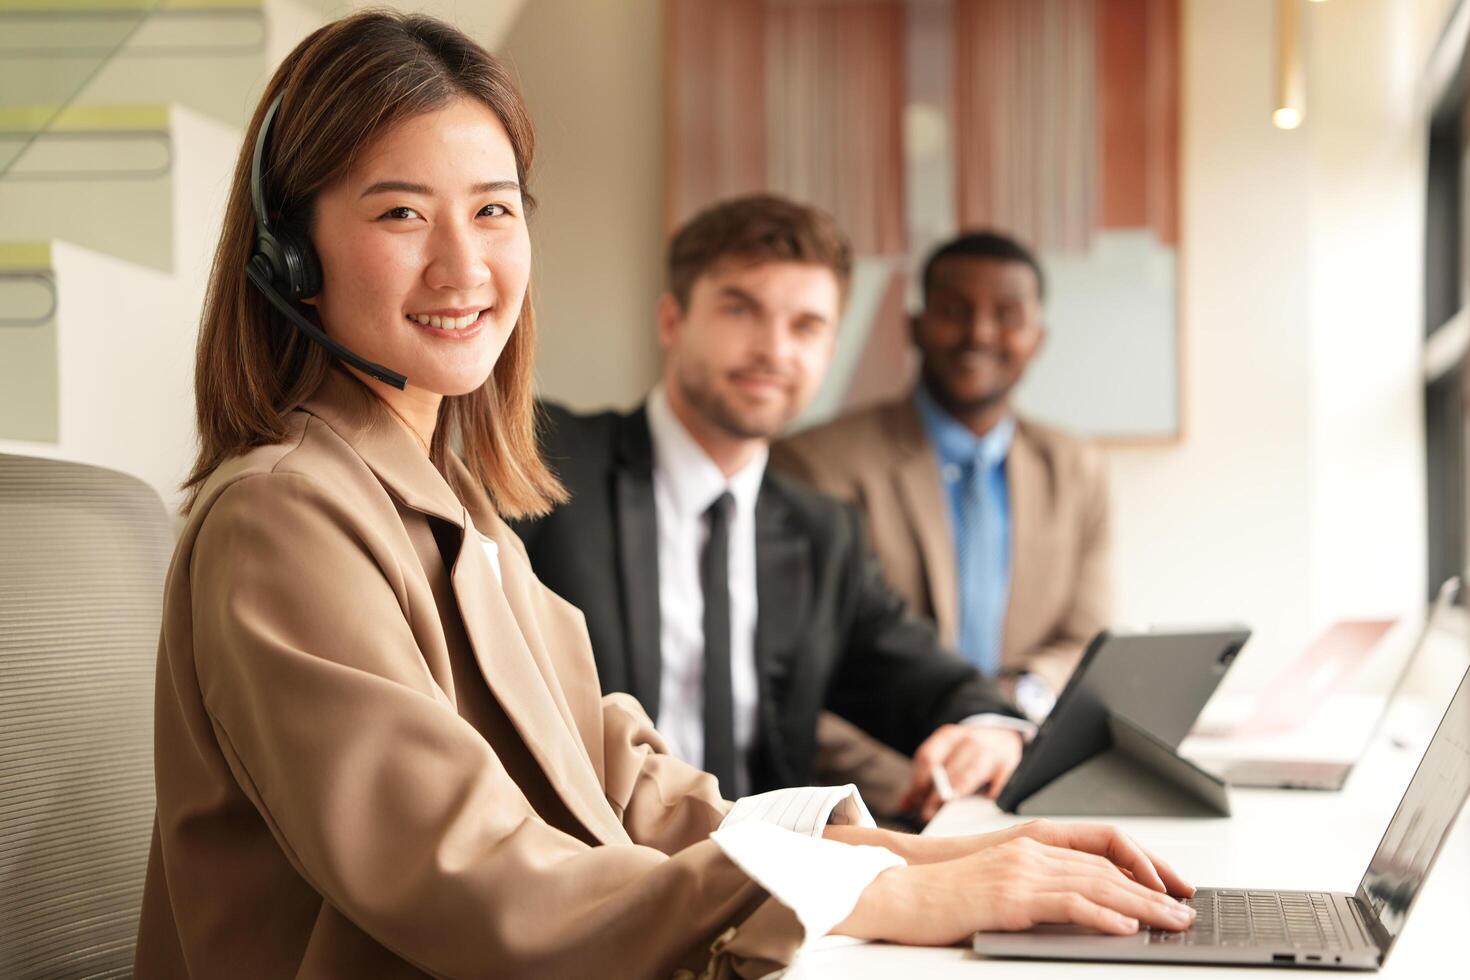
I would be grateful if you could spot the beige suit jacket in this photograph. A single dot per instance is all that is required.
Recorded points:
(375, 760)
(1060, 591)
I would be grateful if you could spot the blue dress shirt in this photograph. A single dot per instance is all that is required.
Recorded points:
(973, 470)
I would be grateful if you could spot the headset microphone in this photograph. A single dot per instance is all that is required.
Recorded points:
(262, 280)
(285, 268)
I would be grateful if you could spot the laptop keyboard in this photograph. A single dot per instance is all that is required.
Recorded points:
(1226, 917)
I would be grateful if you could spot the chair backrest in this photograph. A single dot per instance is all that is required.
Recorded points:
(83, 552)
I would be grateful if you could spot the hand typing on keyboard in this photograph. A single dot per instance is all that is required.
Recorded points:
(1039, 872)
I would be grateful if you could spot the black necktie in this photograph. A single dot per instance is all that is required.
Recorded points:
(719, 703)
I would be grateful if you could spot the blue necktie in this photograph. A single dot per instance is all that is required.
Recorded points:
(975, 544)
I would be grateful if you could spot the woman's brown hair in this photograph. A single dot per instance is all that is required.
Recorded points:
(341, 88)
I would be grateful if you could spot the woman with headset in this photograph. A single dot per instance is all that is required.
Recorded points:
(381, 749)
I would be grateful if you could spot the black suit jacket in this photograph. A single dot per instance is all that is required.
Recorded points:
(830, 632)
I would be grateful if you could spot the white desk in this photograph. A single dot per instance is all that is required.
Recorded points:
(1275, 839)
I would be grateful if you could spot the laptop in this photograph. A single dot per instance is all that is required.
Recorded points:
(1330, 775)
(1288, 928)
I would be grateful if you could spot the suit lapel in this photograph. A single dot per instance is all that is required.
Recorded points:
(520, 675)
(637, 544)
(524, 681)
(1030, 499)
(782, 583)
(926, 506)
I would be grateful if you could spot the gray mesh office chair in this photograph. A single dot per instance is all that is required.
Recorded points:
(83, 553)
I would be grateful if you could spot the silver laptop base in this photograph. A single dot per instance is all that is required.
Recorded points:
(1234, 926)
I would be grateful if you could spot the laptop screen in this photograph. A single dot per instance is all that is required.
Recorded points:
(1423, 820)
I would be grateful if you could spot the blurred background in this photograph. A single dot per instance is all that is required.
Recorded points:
(1250, 212)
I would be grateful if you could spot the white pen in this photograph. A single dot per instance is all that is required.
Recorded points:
(942, 786)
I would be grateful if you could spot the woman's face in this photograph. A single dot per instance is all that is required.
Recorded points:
(424, 249)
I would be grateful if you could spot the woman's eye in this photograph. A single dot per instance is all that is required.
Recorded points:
(494, 210)
(398, 214)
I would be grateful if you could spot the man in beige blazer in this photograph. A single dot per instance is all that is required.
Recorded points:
(1043, 589)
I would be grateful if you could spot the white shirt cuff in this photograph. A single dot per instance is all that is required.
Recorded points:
(1026, 728)
(820, 880)
(803, 809)
(776, 838)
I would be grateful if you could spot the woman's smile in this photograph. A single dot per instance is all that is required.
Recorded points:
(450, 325)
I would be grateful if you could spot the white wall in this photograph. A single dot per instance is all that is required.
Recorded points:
(592, 72)
(1297, 494)
(125, 332)
(1367, 317)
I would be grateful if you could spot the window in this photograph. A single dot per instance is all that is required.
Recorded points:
(1447, 333)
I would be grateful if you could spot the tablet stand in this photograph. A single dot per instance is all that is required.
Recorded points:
(1137, 776)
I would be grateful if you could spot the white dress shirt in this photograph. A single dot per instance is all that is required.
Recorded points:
(492, 550)
(685, 483)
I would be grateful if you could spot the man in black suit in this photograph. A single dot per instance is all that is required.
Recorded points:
(736, 604)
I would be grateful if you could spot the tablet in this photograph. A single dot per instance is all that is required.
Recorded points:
(1157, 682)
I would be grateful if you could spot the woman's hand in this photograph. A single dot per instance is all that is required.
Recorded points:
(1091, 838)
(1104, 841)
(1012, 885)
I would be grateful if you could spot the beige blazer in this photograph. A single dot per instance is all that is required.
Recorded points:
(375, 760)
(1060, 594)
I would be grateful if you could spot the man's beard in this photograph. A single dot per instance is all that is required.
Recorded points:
(963, 407)
(700, 394)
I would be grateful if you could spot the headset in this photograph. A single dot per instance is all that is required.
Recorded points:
(285, 268)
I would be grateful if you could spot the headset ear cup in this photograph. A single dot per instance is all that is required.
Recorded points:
(311, 271)
(268, 249)
(303, 271)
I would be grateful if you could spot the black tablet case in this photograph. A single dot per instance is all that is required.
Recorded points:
(1109, 746)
